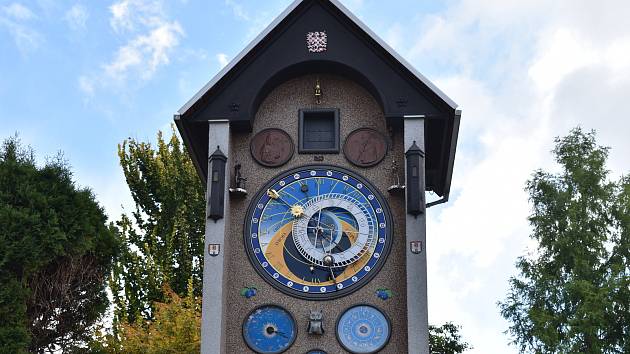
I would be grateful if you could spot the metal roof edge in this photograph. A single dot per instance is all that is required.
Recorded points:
(239, 57)
(453, 148)
(183, 132)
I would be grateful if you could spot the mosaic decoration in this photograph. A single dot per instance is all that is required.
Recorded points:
(249, 292)
(316, 42)
(384, 294)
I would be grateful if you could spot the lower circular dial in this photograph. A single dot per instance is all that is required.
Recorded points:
(269, 329)
(363, 329)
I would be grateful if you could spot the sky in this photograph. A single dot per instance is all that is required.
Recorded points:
(80, 77)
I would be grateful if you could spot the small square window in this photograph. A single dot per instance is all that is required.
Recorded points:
(319, 131)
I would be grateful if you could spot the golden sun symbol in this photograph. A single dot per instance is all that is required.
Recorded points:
(297, 211)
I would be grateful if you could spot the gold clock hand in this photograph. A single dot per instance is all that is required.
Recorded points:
(296, 210)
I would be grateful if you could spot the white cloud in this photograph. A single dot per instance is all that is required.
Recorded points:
(131, 15)
(18, 11)
(86, 85)
(223, 60)
(153, 41)
(150, 39)
(523, 72)
(16, 18)
(237, 9)
(561, 53)
(121, 18)
(77, 17)
(145, 53)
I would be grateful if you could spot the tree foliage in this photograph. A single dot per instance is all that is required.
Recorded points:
(176, 328)
(573, 292)
(163, 236)
(446, 339)
(55, 255)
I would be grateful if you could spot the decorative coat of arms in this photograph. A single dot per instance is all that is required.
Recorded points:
(214, 249)
(415, 247)
(316, 41)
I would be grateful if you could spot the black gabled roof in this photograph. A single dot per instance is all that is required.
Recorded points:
(280, 53)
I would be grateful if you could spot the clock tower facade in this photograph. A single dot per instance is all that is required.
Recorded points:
(317, 144)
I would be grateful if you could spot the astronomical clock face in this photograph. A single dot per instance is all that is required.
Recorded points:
(269, 330)
(363, 329)
(318, 232)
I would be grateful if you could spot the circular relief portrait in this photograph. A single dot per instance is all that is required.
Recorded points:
(272, 147)
(365, 147)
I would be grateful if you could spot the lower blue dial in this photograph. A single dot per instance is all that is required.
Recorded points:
(363, 329)
(269, 330)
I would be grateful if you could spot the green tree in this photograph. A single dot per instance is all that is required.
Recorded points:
(55, 255)
(446, 339)
(163, 236)
(573, 292)
(176, 328)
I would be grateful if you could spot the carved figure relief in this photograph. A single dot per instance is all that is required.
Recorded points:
(272, 147)
(365, 147)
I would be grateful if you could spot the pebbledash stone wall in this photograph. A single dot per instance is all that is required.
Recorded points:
(280, 110)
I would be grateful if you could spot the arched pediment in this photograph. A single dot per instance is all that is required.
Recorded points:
(352, 50)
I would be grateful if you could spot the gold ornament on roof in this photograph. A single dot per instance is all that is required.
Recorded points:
(318, 92)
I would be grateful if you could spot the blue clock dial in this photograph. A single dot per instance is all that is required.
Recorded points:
(269, 329)
(363, 329)
(318, 232)
(316, 351)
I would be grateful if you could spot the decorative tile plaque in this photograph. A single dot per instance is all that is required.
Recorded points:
(316, 42)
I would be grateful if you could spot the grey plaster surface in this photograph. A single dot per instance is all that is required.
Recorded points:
(416, 266)
(213, 305)
(280, 110)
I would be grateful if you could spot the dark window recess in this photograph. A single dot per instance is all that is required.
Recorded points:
(319, 131)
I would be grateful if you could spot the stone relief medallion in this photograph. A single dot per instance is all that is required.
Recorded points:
(272, 147)
(365, 147)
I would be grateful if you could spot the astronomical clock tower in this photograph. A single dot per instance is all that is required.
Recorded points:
(317, 144)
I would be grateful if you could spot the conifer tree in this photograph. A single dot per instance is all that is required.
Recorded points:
(56, 253)
(573, 291)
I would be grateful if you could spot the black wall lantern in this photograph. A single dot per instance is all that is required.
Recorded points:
(415, 180)
(216, 189)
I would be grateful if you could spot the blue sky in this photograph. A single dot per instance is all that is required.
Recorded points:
(82, 76)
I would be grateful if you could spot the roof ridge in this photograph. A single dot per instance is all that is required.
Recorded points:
(189, 104)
